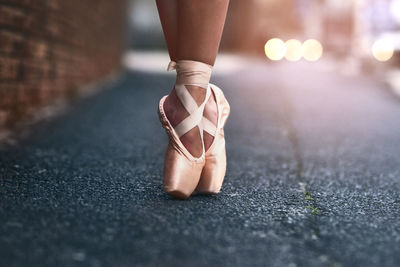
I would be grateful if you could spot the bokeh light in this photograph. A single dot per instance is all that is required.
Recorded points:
(312, 50)
(382, 50)
(395, 10)
(293, 50)
(275, 49)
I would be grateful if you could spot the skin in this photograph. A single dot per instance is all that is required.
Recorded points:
(193, 31)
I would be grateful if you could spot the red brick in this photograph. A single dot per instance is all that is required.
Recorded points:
(8, 94)
(10, 42)
(9, 68)
(50, 48)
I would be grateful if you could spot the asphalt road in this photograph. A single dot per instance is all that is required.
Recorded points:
(313, 178)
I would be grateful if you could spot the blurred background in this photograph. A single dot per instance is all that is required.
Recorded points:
(51, 50)
(360, 31)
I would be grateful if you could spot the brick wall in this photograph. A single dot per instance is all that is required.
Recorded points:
(49, 49)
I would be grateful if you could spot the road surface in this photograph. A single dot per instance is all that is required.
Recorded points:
(313, 177)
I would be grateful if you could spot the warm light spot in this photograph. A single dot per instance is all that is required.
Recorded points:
(275, 49)
(312, 50)
(382, 50)
(395, 10)
(293, 50)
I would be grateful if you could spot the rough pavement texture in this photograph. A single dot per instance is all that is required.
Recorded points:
(313, 178)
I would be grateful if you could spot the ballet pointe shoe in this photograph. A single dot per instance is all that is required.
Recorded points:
(214, 169)
(182, 170)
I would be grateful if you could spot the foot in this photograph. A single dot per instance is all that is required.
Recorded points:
(176, 112)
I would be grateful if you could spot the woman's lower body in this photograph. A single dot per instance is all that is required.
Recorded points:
(195, 111)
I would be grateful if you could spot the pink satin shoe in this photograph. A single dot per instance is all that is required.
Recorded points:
(182, 170)
(214, 169)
